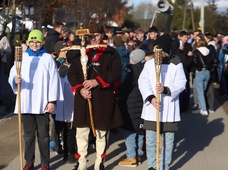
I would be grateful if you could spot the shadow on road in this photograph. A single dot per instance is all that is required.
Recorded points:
(195, 133)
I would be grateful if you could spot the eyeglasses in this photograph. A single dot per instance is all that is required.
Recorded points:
(93, 36)
(35, 42)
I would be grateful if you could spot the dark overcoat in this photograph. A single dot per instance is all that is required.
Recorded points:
(106, 69)
(131, 102)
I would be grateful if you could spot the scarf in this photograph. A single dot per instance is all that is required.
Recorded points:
(38, 53)
(98, 52)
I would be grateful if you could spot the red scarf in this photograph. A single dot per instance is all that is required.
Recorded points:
(99, 51)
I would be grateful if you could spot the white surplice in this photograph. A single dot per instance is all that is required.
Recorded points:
(171, 76)
(65, 109)
(40, 83)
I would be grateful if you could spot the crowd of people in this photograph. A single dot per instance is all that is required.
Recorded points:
(106, 82)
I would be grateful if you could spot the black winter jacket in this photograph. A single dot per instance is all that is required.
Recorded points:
(50, 40)
(131, 102)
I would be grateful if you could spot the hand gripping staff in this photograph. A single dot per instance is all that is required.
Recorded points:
(158, 66)
(18, 61)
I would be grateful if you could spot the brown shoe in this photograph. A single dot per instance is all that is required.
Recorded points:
(128, 162)
(45, 167)
(28, 167)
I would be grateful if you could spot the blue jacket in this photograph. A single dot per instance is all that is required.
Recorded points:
(124, 56)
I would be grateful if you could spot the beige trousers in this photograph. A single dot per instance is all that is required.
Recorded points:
(82, 138)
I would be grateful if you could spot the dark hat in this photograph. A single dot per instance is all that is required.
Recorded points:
(118, 41)
(118, 30)
(95, 28)
(137, 56)
(164, 42)
(58, 46)
(44, 29)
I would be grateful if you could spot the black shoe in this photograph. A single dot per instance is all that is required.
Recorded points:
(65, 158)
(71, 159)
(151, 168)
(76, 166)
(101, 166)
(195, 107)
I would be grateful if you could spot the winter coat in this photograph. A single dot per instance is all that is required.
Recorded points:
(124, 56)
(134, 99)
(203, 58)
(105, 67)
(213, 54)
(4, 48)
(50, 40)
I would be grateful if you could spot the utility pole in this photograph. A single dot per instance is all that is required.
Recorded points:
(192, 16)
(201, 23)
(184, 19)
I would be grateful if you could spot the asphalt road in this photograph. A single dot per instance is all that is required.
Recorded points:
(201, 144)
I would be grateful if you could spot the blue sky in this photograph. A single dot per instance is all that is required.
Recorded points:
(221, 4)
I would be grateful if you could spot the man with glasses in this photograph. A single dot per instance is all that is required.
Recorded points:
(103, 70)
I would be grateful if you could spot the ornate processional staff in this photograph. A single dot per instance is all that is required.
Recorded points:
(158, 66)
(18, 61)
(84, 59)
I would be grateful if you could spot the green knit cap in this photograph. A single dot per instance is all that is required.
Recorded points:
(36, 35)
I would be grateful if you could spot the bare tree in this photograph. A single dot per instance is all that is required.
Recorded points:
(144, 11)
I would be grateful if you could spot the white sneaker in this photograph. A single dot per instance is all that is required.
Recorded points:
(204, 112)
(197, 111)
(211, 111)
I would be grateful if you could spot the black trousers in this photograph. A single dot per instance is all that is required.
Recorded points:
(69, 136)
(36, 125)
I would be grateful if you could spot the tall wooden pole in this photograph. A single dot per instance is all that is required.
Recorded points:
(158, 65)
(18, 60)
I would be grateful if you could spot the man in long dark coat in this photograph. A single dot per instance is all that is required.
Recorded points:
(103, 70)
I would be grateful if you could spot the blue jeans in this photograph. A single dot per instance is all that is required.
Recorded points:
(202, 79)
(134, 144)
(166, 152)
(219, 70)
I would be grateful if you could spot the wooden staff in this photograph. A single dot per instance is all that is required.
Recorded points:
(158, 65)
(78, 47)
(84, 59)
(18, 60)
